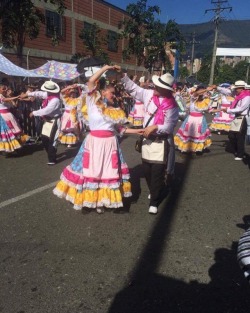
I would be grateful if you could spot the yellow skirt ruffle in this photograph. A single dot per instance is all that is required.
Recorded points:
(192, 146)
(67, 140)
(109, 198)
(217, 127)
(10, 146)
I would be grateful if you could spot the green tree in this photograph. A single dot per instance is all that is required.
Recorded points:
(21, 19)
(147, 36)
(184, 72)
(59, 5)
(164, 37)
(77, 57)
(203, 74)
(137, 29)
(225, 74)
(93, 41)
(240, 71)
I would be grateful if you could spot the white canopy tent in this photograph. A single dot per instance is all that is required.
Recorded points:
(243, 52)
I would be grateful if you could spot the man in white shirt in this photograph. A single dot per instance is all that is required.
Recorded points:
(239, 107)
(50, 113)
(161, 115)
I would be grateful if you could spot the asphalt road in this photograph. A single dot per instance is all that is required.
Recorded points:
(58, 260)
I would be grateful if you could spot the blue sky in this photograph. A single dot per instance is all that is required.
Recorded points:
(193, 11)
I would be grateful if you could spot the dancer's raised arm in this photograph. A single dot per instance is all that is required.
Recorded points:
(94, 78)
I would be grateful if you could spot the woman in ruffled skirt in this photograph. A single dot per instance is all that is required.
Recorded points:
(69, 130)
(194, 134)
(136, 116)
(98, 177)
(222, 120)
(11, 136)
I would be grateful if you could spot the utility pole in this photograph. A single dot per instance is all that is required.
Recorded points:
(217, 20)
(193, 42)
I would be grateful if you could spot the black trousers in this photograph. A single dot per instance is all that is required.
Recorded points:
(48, 143)
(154, 174)
(237, 140)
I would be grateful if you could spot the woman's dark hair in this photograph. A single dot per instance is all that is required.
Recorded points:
(102, 83)
(200, 87)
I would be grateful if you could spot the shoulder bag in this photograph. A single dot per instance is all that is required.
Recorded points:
(237, 123)
(138, 143)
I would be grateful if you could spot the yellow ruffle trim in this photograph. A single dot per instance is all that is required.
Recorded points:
(92, 197)
(114, 113)
(71, 101)
(219, 127)
(10, 146)
(191, 146)
(202, 105)
(84, 109)
(137, 122)
(67, 140)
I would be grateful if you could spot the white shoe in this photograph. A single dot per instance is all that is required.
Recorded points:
(100, 210)
(153, 209)
(238, 159)
(149, 196)
(51, 163)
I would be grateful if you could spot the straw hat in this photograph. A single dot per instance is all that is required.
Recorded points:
(165, 81)
(239, 84)
(50, 86)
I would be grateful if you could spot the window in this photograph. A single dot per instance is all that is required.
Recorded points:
(87, 26)
(54, 24)
(112, 41)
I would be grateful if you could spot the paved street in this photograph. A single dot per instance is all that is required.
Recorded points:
(58, 260)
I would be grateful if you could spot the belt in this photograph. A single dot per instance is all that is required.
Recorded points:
(49, 118)
(158, 138)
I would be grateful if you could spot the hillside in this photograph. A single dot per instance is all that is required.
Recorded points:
(234, 34)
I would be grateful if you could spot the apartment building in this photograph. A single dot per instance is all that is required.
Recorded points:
(79, 14)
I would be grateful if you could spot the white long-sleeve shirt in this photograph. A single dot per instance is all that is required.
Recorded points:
(145, 96)
(242, 106)
(53, 108)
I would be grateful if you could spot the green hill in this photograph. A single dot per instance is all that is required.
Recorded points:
(233, 34)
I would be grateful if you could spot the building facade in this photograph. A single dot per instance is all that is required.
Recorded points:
(66, 29)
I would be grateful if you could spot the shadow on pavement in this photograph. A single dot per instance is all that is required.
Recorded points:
(67, 154)
(149, 292)
(155, 293)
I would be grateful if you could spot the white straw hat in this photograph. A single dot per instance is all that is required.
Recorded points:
(239, 84)
(50, 86)
(165, 81)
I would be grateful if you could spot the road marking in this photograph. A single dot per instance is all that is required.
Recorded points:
(26, 195)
